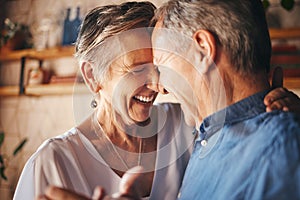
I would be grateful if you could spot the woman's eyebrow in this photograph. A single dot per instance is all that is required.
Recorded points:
(137, 64)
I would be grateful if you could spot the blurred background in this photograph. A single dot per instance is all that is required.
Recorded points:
(42, 96)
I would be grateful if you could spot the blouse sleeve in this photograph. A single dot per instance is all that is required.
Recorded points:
(39, 171)
(26, 185)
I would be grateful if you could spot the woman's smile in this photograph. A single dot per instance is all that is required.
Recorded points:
(144, 99)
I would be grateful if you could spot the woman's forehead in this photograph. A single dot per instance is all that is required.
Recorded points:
(135, 39)
(134, 58)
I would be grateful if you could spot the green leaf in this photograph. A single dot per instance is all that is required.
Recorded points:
(266, 4)
(2, 174)
(20, 146)
(287, 4)
(1, 138)
(1, 160)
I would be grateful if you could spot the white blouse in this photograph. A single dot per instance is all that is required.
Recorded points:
(71, 161)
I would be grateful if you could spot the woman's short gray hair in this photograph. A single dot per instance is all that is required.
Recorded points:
(104, 22)
(238, 25)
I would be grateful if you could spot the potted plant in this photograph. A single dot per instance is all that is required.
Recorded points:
(286, 4)
(4, 159)
(14, 36)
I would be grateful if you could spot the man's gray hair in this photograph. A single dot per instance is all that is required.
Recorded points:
(239, 27)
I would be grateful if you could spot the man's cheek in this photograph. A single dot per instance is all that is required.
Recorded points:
(166, 78)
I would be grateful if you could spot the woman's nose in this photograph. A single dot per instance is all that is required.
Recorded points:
(153, 82)
(157, 88)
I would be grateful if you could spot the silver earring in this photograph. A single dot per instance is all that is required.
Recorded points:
(94, 104)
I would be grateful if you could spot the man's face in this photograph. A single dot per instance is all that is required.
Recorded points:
(177, 74)
(187, 70)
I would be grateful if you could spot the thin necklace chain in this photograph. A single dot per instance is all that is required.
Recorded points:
(114, 148)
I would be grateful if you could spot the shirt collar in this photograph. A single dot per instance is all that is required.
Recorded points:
(242, 110)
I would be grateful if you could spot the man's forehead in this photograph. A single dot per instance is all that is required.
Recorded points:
(170, 40)
(159, 24)
(157, 27)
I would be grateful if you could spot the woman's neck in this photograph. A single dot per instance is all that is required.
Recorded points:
(117, 131)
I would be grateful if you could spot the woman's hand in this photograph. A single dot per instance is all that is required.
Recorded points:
(281, 98)
(57, 193)
(130, 189)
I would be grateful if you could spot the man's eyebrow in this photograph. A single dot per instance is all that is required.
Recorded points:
(157, 57)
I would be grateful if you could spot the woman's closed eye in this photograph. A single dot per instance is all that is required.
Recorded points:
(138, 69)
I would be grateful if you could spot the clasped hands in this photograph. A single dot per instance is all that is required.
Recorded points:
(129, 189)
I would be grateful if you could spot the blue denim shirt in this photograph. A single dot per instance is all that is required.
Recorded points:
(242, 152)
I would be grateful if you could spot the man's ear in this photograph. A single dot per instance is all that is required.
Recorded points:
(206, 44)
(88, 76)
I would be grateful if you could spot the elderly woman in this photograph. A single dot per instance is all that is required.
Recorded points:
(126, 130)
(115, 56)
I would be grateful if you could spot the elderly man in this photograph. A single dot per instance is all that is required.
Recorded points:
(219, 53)
(241, 152)
(214, 56)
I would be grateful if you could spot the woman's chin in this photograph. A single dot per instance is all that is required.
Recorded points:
(144, 122)
(141, 119)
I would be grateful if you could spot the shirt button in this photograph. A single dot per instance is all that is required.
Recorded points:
(204, 143)
(179, 195)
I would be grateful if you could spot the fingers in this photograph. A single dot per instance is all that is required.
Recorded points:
(277, 79)
(119, 198)
(42, 197)
(279, 105)
(56, 193)
(276, 94)
(282, 99)
(98, 194)
(131, 185)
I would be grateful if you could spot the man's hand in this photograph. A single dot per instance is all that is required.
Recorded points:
(280, 98)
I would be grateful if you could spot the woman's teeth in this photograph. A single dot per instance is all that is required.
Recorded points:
(144, 98)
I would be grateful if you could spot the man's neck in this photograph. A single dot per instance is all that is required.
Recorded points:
(236, 88)
(242, 87)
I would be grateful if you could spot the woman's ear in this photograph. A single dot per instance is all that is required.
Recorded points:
(206, 45)
(88, 76)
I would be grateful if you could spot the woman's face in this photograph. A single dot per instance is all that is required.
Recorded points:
(131, 77)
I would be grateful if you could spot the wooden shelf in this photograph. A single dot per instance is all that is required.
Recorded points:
(65, 51)
(68, 88)
(51, 53)
(9, 91)
(291, 82)
(288, 33)
(45, 89)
